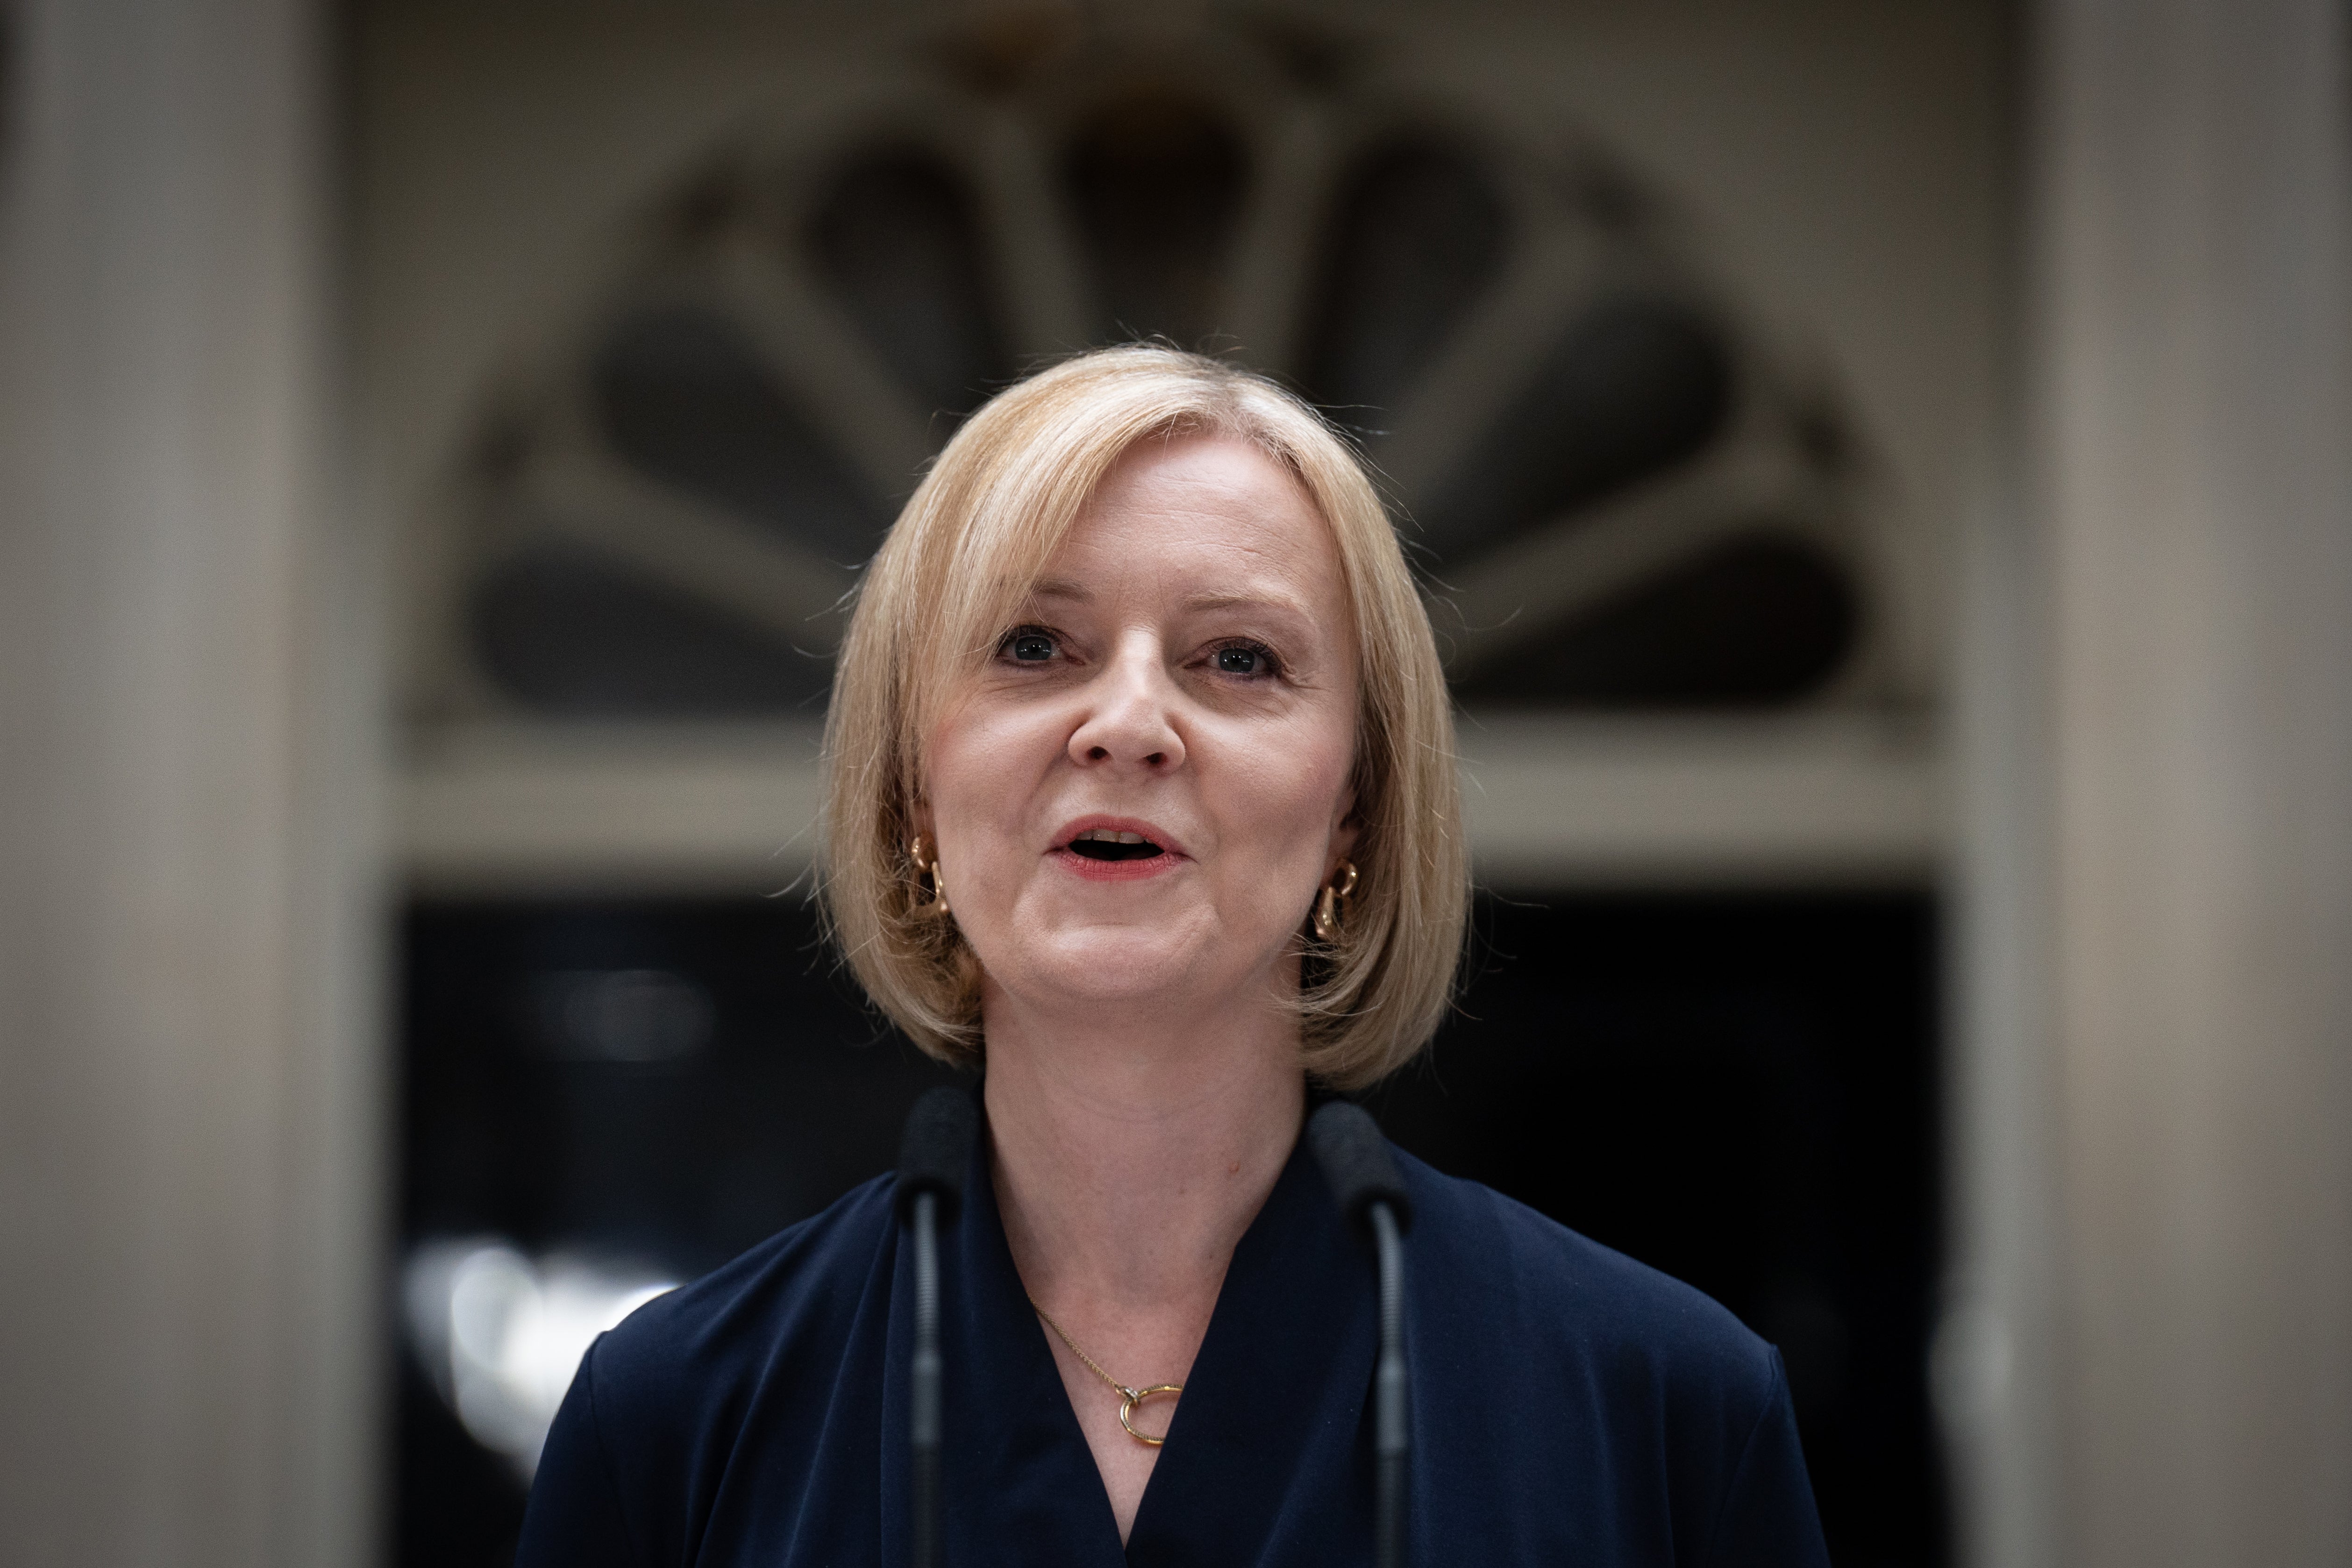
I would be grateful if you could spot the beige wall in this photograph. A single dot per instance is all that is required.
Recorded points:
(2192, 260)
(189, 757)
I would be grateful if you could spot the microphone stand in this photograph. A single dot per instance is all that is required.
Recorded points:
(924, 1428)
(1389, 1442)
(933, 1155)
(1364, 1182)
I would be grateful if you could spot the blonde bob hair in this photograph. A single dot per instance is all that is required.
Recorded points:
(945, 588)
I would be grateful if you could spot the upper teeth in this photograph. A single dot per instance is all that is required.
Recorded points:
(1106, 835)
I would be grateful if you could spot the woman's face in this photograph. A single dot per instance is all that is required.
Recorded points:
(1139, 796)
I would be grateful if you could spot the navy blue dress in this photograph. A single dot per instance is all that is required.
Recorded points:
(1569, 1406)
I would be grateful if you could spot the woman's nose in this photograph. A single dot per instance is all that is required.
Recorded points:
(1128, 720)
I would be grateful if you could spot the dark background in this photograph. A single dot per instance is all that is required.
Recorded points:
(1738, 1089)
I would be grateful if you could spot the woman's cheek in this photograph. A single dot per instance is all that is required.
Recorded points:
(1283, 862)
(1293, 792)
(980, 756)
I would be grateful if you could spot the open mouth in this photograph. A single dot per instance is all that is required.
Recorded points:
(1102, 844)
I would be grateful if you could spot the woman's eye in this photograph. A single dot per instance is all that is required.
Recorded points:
(1244, 659)
(1031, 648)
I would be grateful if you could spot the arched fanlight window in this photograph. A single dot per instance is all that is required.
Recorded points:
(1618, 494)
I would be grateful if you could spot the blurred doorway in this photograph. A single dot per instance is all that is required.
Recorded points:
(1681, 608)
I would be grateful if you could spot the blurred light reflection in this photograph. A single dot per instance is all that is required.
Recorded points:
(502, 1335)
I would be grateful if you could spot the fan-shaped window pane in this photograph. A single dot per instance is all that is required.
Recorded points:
(684, 398)
(1417, 237)
(567, 634)
(1158, 182)
(1629, 373)
(1632, 387)
(898, 244)
(1758, 620)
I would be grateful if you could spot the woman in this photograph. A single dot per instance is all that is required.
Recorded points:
(1142, 800)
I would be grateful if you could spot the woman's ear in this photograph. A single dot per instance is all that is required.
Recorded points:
(1345, 828)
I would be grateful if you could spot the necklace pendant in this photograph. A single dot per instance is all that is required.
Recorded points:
(1135, 1396)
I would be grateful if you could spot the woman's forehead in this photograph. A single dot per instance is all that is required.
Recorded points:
(1199, 465)
(1215, 520)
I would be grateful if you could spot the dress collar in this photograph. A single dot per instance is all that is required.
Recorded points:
(1268, 1441)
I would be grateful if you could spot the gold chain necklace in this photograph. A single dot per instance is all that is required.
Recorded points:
(1129, 1397)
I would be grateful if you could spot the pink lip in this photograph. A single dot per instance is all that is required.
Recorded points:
(1172, 855)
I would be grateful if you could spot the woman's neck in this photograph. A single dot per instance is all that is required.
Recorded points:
(1129, 1162)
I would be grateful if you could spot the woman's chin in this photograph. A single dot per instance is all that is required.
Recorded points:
(1111, 965)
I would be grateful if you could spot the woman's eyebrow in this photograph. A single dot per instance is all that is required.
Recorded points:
(1245, 602)
(1075, 592)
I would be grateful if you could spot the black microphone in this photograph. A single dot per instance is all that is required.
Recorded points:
(1364, 1182)
(934, 1155)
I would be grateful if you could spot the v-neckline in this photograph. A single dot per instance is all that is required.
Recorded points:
(1267, 1428)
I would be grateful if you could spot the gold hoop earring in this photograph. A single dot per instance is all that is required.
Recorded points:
(927, 864)
(1332, 906)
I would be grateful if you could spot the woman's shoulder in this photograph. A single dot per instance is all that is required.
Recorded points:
(1527, 1327)
(1560, 1290)
(794, 1297)
(645, 1439)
